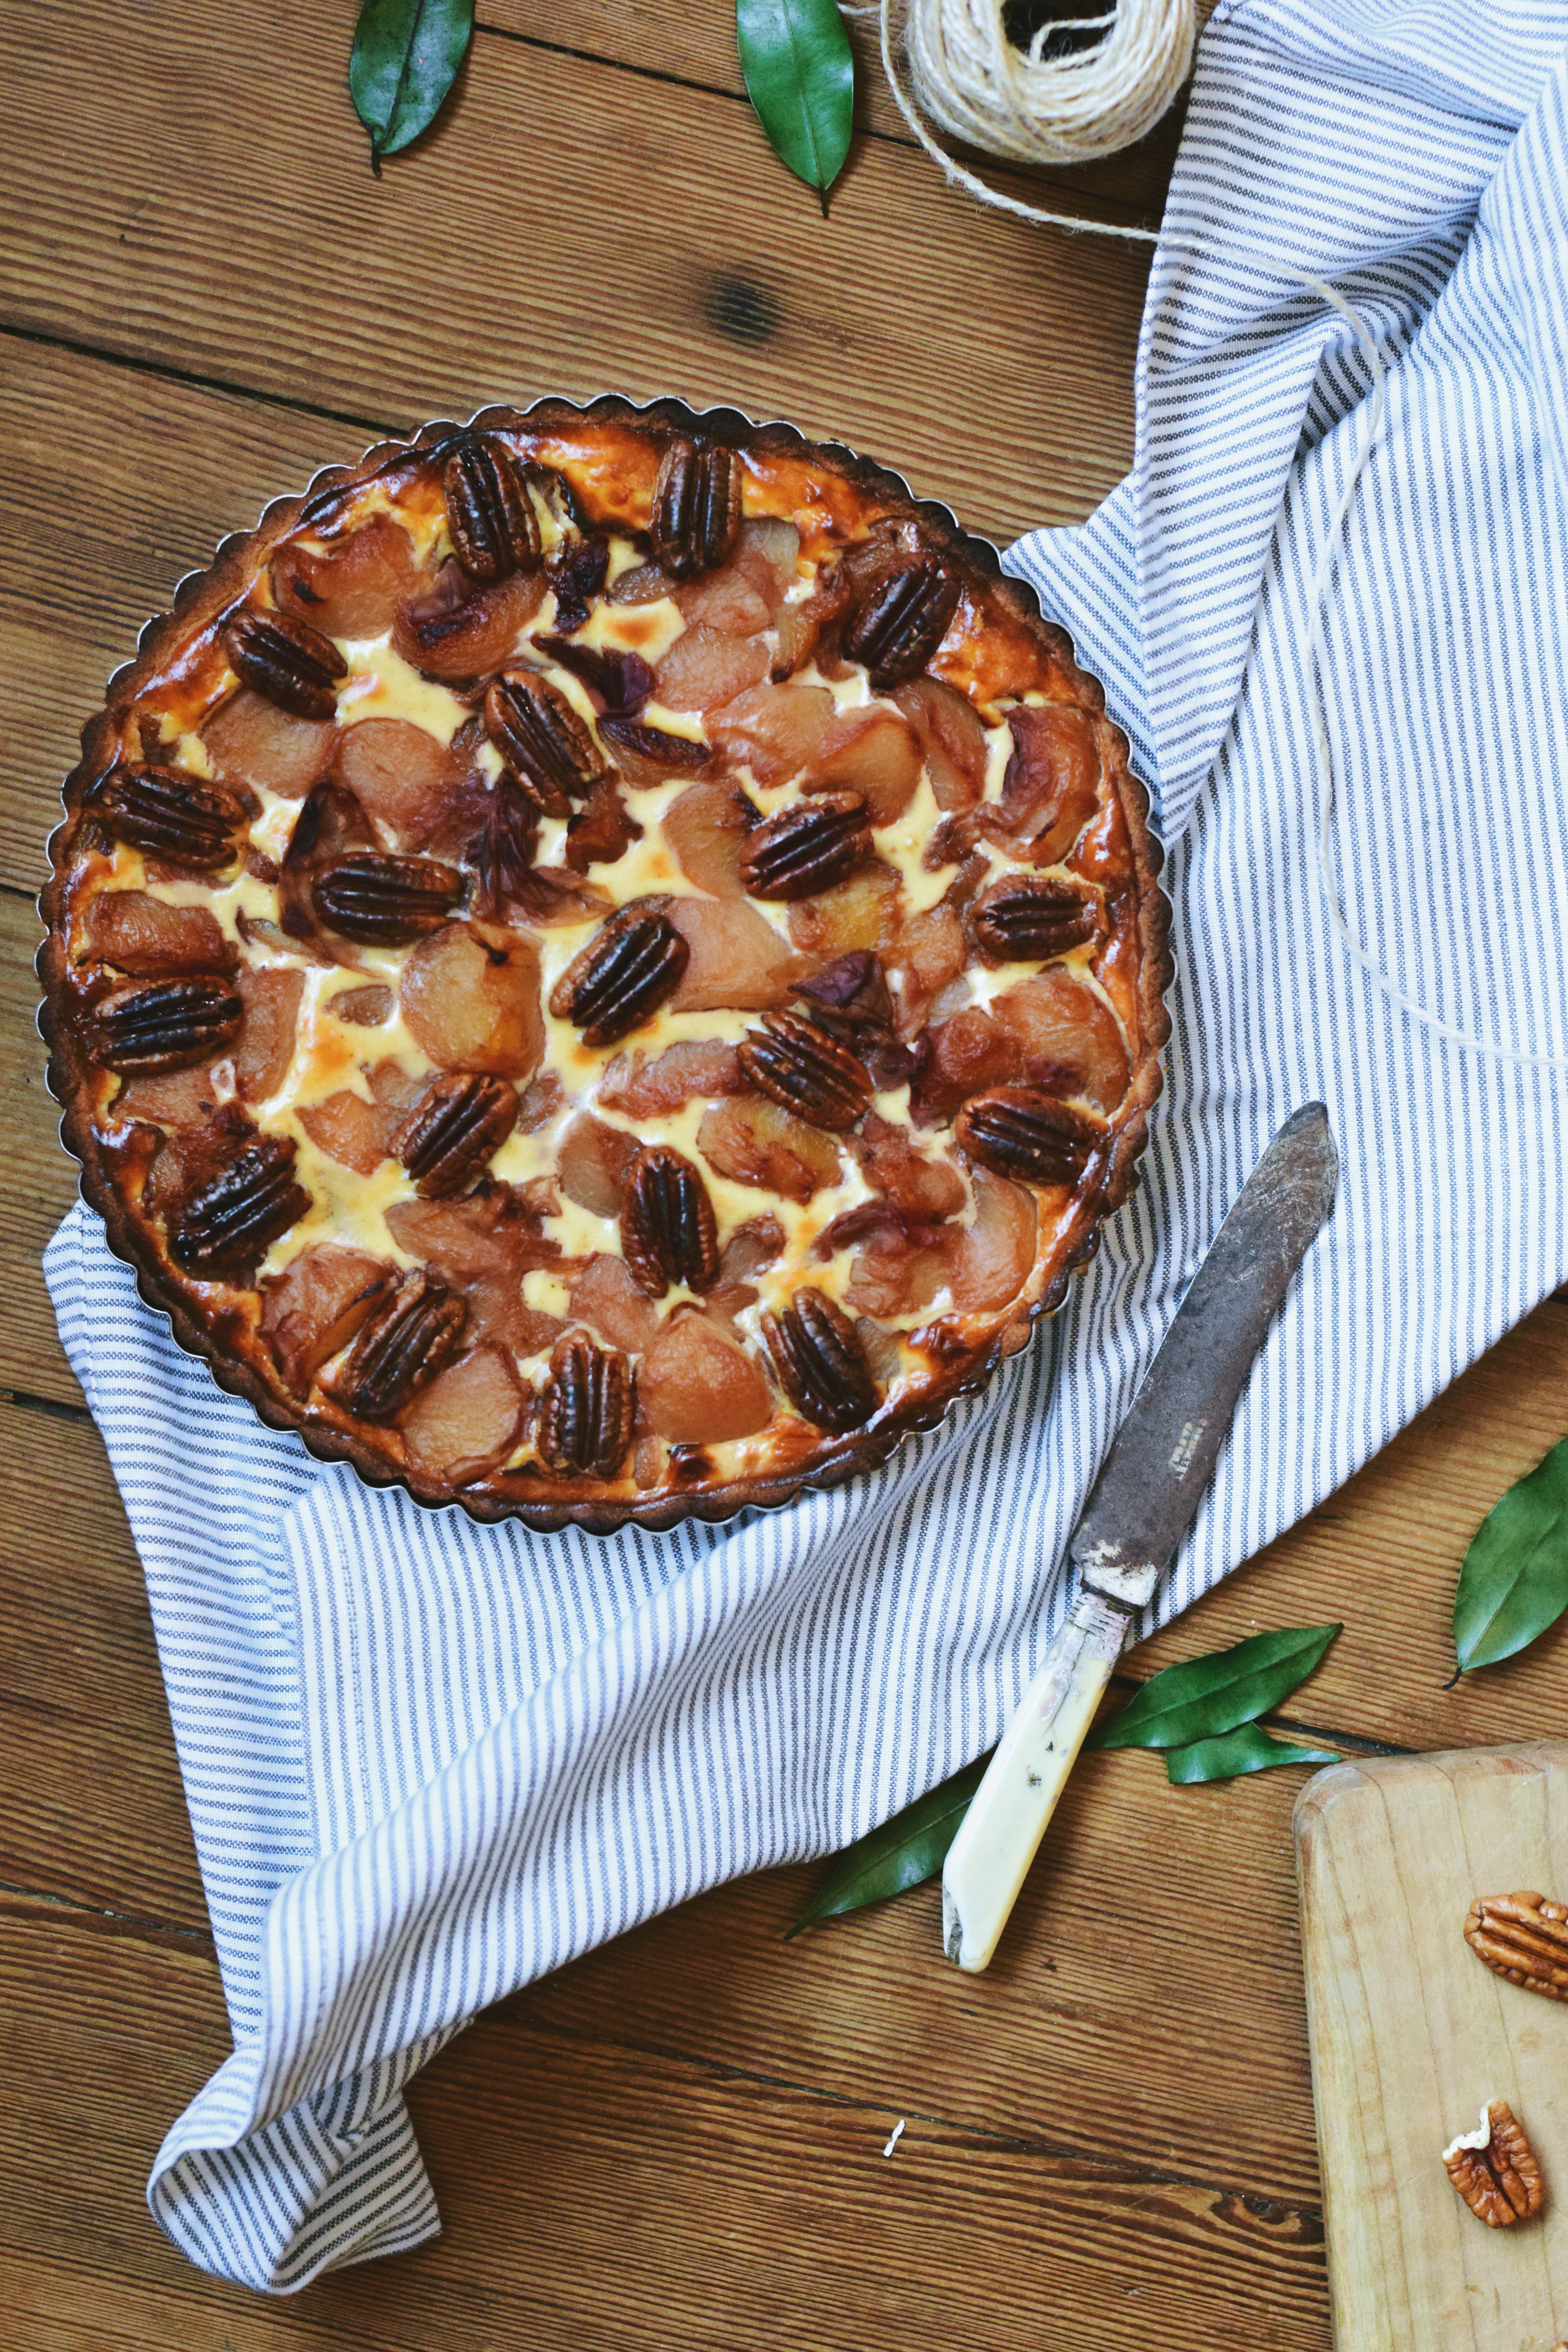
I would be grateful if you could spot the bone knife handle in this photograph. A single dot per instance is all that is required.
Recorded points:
(1000, 1834)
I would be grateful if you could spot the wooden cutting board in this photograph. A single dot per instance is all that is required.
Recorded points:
(1411, 2034)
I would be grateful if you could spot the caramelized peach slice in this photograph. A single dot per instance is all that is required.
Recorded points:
(349, 1129)
(876, 753)
(1069, 1039)
(895, 1273)
(354, 586)
(992, 1258)
(401, 776)
(265, 1045)
(695, 1067)
(704, 669)
(468, 1420)
(698, 1388)
(860, 913)
(768, 552)
(316, 1305)
(725, 601)
(449, 634)
(932, 953)
(738, 963)
(967, 1054)
(754, 1142)
(707, 827)
(1052, 786)
(775, 730)
(167, 1098)
(592, 1163)
(483, 1245)
(951, 737)
(141, 934)
(470, 997)
(605, 1295)
(250, 742)
(922, 1189)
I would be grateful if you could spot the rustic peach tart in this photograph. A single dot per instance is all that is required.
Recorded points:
(605, 965)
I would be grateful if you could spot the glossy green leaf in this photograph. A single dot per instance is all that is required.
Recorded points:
(1514, 1580)
(403, 61)
(800, 77)
(904, 1852)
(1246, 1749)
(1204, 1697)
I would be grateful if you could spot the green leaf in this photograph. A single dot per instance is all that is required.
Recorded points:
(1245, 1750)
(1205, 1696)
(904, 1852)
(403, 61)
(1514, 1582)
(800, 77)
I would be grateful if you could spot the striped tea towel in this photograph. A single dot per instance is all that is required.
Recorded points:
(427, 1761)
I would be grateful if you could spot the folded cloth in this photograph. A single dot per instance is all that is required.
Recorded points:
(427, 1761)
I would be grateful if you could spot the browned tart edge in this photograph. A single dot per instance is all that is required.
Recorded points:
(202, 595)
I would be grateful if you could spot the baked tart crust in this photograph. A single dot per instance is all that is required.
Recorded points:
(605, 965)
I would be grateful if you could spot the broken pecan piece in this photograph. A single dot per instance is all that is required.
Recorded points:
(1022, 1132)
(901, 619)
(821, 1363)
(171, 814)
(807, 847)
(165, 1024)
(1523, 1937)
(809, 1072)
(231, 1222)
(1495, 2169)
(541, 740)
(385, 901)
(501, 852)
(460, 1120)
(403, 1346)
(625, 971)
(286, 661)
(489, 513)
(586, 1414)
(667, 1230)
(696, 516)
(1028, 917)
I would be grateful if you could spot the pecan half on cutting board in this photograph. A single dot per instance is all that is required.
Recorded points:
(1495, 2170)
(1523, 1937)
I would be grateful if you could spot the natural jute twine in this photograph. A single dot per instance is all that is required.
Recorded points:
(972, 83)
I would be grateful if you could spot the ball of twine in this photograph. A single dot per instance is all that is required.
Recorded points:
(1034, 107)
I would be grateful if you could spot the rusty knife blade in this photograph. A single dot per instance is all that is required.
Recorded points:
(1151, 1482)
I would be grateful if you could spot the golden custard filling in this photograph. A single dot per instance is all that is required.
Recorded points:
(612, 966)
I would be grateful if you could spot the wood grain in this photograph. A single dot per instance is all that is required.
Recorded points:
(997, 372)
(1412, 2036)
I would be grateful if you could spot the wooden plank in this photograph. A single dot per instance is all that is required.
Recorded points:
(696, 45)
(38, 1181)
(990, 360)
(1411, 2037)
(652, 2201)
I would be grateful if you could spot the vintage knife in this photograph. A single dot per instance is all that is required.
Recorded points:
(1141, 1505)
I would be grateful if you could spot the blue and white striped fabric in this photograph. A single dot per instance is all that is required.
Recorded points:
(427, 1761)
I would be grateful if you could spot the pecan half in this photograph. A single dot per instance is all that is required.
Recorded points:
(489, 513)
(1495, 2169)
(405, 1343)
(171, 814)
(1026, 918)
(625, 971)
(586, 1414)
(668, 1228)
(459, 1120)
(696, 516)
(821, 1363)
(501, 852)
(286, 662)
(1523, 1937)
(809, 1072)
(166, 1024)
(385, 901)
(807, 847)
(901, 618)
(542, 741)
(1022, 1132)
(233, 1221)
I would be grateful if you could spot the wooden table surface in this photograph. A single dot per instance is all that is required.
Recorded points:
(677, 2142)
